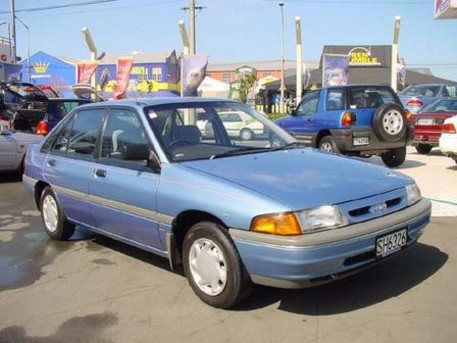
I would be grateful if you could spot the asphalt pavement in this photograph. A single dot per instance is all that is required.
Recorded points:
(93, 289)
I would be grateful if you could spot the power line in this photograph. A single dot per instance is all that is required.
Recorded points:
(36, 9)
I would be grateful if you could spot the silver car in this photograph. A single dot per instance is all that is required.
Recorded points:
(13, 146)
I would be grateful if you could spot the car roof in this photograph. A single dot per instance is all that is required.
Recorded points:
(142, 102)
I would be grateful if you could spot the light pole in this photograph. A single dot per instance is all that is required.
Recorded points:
(28, 48)
(299, 76)
(13, 33)
(281, 99)
(393, 79)
(92, 48)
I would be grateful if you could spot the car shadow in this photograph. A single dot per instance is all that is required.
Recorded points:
(389, 279)
(378, 161)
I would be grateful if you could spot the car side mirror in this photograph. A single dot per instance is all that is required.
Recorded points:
(154, 162)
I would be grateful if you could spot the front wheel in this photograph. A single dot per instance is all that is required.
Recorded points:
(246, 134)
(213, 267)
(394, 157)
(424, 148)
(327, 143)
(55, 222)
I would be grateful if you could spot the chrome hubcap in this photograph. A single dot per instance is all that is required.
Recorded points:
(50, 213)
(208, 266)
(392, 122)
(326, 147)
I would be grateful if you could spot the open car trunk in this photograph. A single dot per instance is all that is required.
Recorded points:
(26, 120)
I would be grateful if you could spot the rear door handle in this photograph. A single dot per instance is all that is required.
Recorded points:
(100, 173)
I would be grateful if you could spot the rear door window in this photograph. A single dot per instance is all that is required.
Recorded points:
(79, 137)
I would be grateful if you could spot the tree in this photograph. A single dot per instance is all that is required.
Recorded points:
(247, 83)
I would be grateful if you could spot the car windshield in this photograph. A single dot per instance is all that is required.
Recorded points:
(424, 90)
(442, 105)
(213, 129)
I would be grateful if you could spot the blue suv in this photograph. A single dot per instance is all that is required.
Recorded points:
(360, 120)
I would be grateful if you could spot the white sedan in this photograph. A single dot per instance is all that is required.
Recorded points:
(13, 146)
(448, 139)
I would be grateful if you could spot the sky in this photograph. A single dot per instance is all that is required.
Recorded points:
(236, 30)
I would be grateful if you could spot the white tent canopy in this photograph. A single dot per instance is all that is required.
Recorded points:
(213, 88)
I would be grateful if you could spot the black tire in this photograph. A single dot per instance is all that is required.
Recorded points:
(394, 157)
(246, 134)
(54, 220)
(424, 148)
(227, 279)
(327, 143)
(389, 123)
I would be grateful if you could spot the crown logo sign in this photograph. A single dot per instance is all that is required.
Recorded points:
(40, 67)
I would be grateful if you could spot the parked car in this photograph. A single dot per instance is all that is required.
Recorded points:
(448, 139)
(13, 146)
(360, 120)
(428, 123)
(416, 97)
(233, 213)
(28, 109)
(237, 124)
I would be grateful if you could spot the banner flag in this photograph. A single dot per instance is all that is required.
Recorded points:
(10, 72)
(104, 78)
(335, 70)
(306, 78)
(401, 71)
(85, 71)
(124, 68)
(193, 73)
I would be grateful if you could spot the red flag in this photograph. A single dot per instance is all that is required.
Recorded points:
(85, 70)
(124, 68)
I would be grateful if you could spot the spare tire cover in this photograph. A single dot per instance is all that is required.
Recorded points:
(389, 122)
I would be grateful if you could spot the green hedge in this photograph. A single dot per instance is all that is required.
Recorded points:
(274, 116)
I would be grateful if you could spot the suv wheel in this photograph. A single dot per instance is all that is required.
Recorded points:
(424, 148)
(394, 157)
(389, 122)
(327, 143)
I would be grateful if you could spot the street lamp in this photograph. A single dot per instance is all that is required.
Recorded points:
(393, 79)
(281, 100)
(299, 76)
(92, 48)
(28, 48)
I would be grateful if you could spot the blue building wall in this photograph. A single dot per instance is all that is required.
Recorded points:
(46, 69)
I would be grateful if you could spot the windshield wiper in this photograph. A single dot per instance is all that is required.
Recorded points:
(292, 145)
(238, 151)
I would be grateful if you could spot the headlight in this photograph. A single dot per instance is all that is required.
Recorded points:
(297, 223)
(413, 193)
(321, 218)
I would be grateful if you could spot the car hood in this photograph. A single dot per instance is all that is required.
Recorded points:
(304, 178)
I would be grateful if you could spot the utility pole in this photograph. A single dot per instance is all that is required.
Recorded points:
(13, 32)
(192, 35)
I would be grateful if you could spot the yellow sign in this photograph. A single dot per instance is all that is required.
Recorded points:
(40, 67)
(362, 56)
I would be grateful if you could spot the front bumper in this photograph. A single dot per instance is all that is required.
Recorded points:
(308, 260)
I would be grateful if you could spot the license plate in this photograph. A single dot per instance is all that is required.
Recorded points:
(361, 141)
(391, 243)
(425, 121)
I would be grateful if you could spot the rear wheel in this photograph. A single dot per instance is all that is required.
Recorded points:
(394, 157)
(423, 148)
(327, 143)
(213, 267)
(55, 222)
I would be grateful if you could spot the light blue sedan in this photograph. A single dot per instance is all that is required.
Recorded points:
(231, 212)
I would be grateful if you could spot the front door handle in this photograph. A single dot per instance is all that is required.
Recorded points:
(51, 163)
(100, 173)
